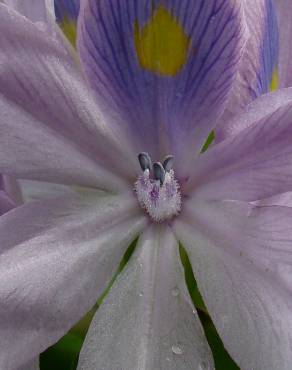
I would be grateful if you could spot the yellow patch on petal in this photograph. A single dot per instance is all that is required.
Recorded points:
(274, 85)
(69, 29)
(162, 44)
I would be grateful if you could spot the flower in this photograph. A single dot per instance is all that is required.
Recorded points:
(160, 73)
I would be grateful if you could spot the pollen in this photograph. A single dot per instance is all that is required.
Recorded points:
(158, 193)
(162, 44)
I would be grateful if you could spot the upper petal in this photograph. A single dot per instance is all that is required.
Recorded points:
(241, 259)
(259, 63)
(39, 78)
(147, 321)
(252, 165)
(66, 15)
(165, 69)
(258, 109)
(56, 258)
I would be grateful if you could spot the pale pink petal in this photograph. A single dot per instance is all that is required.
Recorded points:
(31, 365)
(41, 82)
(35, 10)
(258, 109)
(242, 261)
(147, 321)
(252, 165)
(37, 190)
(56, 259)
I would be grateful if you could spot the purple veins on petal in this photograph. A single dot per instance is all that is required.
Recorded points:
(162, 83)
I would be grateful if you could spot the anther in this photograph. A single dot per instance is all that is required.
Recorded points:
(159, 172)
(145, 161)
(168, 163)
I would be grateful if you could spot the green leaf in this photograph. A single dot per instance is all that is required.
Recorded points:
(221, 358)
(209, 141)
(63, 355)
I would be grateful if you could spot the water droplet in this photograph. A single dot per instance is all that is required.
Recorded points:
(175, 292)
(203, 366)
(177, 349)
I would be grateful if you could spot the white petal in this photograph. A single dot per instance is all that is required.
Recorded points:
(31, 365)
(38, 190)
(57, 258)
(35, 10)
(147, 321)
(250, 309)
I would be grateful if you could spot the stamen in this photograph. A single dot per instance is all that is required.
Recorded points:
(168, 163)
(158, 190)
(159, 172)
(145, 161)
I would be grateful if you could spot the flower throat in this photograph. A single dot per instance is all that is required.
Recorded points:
(157, 189)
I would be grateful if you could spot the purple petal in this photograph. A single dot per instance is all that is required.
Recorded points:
(252, 165)
(56, 259)
(37, 190)
(41, 85)
(147, 321)
(258, 109)
(169, 87)
(260, 59)
(284, 12)
(242, 261)
(66, 10)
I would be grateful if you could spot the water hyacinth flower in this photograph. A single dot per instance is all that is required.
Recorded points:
(160, 74)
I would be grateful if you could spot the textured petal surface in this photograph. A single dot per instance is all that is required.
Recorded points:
(258, 109)
(31, 365)
(284, 12)
(255, 164)
(35, 10)
(260, 58)
(37, 190)
(40, 78)
(56, 259)
(241, 259)
(166, 68)
(147, 321)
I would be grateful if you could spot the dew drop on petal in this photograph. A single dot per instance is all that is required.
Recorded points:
(175, 292)
(203, 366)
(177, 349)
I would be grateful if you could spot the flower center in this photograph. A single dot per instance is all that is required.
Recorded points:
(157, 189)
